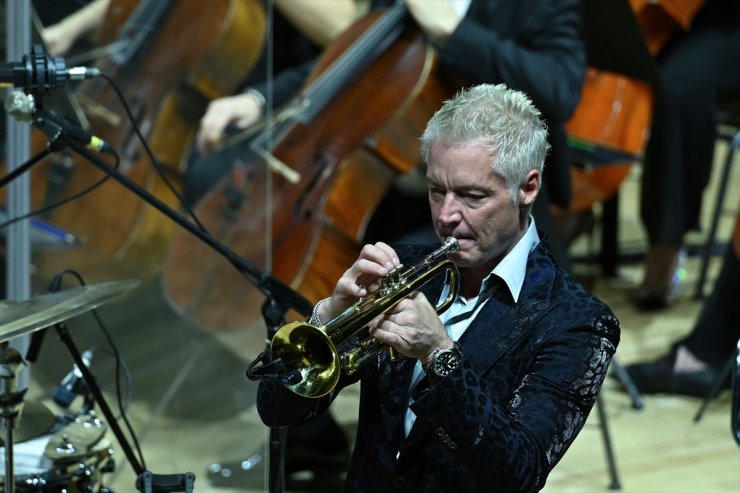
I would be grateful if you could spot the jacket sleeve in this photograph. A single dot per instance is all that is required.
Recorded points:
(519, 441)
(285, 84)
(279, 406)
(544, 56)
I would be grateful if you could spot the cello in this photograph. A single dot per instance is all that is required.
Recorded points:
(176, 56)
(345, 140)
(662, 19)
(613, 118)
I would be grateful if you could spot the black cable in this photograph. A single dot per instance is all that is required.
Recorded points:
(126, 374)
(61, 202)
(158, 167)
(119, 365)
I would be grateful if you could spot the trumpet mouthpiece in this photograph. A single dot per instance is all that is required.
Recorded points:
(450, 244)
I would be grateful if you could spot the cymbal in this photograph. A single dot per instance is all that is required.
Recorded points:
(23, 317)
(35, 420)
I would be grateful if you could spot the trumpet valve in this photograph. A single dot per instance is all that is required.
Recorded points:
(356, 357)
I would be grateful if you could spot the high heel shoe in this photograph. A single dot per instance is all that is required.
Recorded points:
(660, 377)
(665, 278)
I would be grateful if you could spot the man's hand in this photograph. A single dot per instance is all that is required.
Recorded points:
(363, 278)
(438, 19)
(413, 328)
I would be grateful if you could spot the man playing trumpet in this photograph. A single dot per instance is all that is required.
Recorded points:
(490, 393)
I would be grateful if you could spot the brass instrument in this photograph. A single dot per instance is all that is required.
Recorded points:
(319, 353)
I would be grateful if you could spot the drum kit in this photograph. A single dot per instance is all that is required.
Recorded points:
(42, 452)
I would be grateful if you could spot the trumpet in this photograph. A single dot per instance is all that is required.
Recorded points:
(319, 354)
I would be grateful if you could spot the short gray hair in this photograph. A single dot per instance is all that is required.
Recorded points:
(504, 120)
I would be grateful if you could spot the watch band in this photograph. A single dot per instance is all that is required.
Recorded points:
(453, 356)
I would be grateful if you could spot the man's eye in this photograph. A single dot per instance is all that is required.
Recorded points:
(474, 197)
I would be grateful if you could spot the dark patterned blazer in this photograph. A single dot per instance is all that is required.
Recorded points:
(499, 422)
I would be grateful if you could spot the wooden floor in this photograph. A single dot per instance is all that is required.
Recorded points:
(192, 405)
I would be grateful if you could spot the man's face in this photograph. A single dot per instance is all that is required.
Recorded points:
(471, 202)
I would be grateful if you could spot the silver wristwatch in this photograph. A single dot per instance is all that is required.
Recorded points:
(444, 361)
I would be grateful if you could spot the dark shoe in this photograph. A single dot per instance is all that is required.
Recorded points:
(305, 470)
(660, 290)
(658, 377)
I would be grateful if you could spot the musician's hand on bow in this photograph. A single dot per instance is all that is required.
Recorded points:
(240, 111)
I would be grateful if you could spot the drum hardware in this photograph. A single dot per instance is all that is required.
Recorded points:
(40, 465)
(34, 421)
(11, 402)
(76, 440)
(23, 317)
(146, 482)
(65, 447)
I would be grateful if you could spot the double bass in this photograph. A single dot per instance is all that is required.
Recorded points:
(346, 138)
(173, 57)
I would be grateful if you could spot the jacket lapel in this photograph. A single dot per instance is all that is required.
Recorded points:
(501, 322)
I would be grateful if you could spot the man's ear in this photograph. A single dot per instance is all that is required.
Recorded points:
(529, 189)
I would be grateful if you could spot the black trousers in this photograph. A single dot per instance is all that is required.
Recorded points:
(697, 70)
(717, 330)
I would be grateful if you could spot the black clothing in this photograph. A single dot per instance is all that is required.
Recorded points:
(697, 70)
(717, 330)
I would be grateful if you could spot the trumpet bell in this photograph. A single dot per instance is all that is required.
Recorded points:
(305, 348)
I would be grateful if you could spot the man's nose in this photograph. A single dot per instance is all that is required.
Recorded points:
(449, 211)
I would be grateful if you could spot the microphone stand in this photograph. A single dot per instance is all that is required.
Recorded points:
(91, 382)
(146, 481)
(285, 297)
(11, 401)
(274, 318)
(24, 167)
(279, 297)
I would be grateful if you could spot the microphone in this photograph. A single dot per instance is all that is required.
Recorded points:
(72, 384)
(22, 106)
(273, 370)
(291, 378)
(41, 72)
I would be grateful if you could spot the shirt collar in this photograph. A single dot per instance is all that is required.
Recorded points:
(513, 266)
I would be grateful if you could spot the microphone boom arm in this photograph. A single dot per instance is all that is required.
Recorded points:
(270, 286)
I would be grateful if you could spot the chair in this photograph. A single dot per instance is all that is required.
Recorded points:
(728, 131)
(735, 417)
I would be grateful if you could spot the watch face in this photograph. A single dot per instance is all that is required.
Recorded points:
(445, 362)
